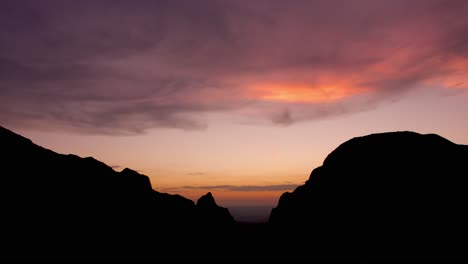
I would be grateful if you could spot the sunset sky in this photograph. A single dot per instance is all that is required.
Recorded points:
(240, 98)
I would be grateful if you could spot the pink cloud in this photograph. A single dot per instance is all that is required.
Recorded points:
(121, 67)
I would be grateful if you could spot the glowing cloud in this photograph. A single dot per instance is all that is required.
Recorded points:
(85, 67)
(303, 93)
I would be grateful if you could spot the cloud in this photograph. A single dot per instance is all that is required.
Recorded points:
(240, 188)
(284, 118)
(196, 173)
(115, 67)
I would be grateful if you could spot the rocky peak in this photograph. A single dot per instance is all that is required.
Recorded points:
(207, 201)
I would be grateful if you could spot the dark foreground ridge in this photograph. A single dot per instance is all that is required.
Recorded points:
(64, 205)
(390, 195)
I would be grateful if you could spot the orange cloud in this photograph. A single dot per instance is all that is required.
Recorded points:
(293, 93)
(287, 66)
(456, 76)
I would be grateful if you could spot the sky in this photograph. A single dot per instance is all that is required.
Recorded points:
(240, 98)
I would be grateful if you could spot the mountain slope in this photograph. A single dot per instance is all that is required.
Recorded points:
(391, 194)
(211, 214)
(384, 194)
(66, 205)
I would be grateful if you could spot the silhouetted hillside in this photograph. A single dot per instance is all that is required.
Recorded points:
(390, 194)
(55, 204)
(211, 214)
(385, 195)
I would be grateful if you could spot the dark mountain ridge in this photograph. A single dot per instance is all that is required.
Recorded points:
(211, 214)
(398, 193)
(66, 205)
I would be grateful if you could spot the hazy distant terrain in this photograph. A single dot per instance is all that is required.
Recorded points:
(251, 214)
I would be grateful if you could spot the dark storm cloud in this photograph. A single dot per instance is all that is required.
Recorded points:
(126, 66)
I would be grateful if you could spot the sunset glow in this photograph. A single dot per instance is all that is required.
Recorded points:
(304, 94)
(240, 98)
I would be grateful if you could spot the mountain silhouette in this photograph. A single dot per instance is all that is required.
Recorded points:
(393, 194)
(55, 204)
(390, 195)
(211, 214)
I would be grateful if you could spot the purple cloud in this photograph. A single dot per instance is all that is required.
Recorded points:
(121, 67)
